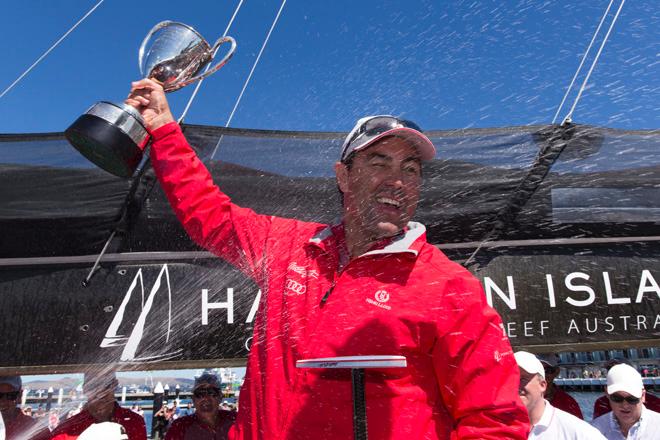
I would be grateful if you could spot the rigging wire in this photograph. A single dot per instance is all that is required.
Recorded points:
(45, 54)
(208, 66)
(584, 57)
(247, 81)
(593, 64)
(491, 234)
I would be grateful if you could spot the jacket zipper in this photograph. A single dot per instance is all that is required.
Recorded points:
(327, 293)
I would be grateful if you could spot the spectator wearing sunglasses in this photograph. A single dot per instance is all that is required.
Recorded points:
(209, 422)
(17, 424)
(602, 404)
(556, 396)
(629, 418)
(369, 284)
(548, 422)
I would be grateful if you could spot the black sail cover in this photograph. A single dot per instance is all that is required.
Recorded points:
(561, 225)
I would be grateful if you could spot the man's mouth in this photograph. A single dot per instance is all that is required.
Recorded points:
(389, 202)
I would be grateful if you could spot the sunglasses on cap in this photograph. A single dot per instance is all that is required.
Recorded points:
(204, 392)
(618, 398)
(372, 128)
(11, 395)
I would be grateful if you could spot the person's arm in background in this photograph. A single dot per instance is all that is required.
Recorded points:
(236, 234)
(476, 372)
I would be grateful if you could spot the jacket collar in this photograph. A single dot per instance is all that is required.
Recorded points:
(409, 241)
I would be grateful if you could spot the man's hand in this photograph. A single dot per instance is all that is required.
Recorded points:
(148, 98)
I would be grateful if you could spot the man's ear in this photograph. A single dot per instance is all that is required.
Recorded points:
(341, 171)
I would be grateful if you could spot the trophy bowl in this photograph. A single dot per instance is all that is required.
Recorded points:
(114, 136)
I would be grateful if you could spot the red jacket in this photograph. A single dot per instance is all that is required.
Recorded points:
(22, 426)
(192, 428)
(563, 401)
(71, 428)
(402, 298)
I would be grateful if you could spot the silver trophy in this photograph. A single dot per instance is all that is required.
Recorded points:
(113, 136)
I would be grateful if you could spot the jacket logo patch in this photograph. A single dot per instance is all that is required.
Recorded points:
(302, 271)
(293, 287)
(296, 281)
(381, 297)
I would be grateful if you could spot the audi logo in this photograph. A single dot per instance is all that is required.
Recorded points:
(295, 287)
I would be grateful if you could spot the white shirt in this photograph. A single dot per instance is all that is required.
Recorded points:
(646, 428)
(556, 424)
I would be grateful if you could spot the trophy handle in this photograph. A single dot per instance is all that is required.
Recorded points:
(222, 62)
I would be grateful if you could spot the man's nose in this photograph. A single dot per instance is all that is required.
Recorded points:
(395, 179)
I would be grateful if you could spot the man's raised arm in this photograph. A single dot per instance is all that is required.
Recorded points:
(236, 234)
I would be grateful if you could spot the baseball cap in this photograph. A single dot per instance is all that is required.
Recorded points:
(529, 363)
(370, 129)
(624, 378)
(14, 381)
(207, 379)
(105, 431)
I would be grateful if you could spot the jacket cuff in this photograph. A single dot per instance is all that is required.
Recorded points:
(165, 130)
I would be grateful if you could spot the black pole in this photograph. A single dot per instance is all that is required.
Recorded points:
(158, 403)
(49, 399)
(359, 405)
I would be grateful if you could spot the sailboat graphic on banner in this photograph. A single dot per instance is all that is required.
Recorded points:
(141, 335)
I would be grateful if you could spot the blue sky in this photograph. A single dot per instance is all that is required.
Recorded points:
(445, 64)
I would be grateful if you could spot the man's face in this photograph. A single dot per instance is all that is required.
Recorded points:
(8, 397)
(531, 389)
(100, 399)
(206, 399)
(381, 188)
(626, 413)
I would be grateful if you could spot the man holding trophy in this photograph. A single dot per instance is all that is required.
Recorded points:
(368, 292)
(372, 286)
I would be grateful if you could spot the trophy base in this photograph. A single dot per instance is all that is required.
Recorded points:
(104, 140)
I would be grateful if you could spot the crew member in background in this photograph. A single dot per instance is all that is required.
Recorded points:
(99, 389)
(629, 418)
(17, 424)
(553, 394)
(602, 404)
(209, 422)
(548, 422)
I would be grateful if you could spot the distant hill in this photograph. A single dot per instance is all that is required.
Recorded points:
(66, 383)
(72, 382)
